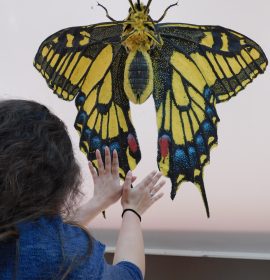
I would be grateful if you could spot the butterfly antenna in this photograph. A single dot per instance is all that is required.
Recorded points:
(132, 5)
(107, 13)
(163, 16)
(148, 5)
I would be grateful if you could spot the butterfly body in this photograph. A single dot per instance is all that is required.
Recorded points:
(138, 38)
(186, 68)
(138, 76)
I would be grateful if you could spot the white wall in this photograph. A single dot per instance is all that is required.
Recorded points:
(237, 180)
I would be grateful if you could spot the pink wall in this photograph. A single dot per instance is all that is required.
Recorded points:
(237, 180)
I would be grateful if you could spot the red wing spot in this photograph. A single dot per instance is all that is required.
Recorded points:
(132, 143)
(164, 142)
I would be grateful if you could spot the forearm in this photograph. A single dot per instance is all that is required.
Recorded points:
(86, 213)
(130, 244)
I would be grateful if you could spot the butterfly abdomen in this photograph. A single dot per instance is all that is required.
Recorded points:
(138, 78)
(138, 73)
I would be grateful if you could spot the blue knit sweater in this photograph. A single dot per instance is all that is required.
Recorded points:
(48, 244)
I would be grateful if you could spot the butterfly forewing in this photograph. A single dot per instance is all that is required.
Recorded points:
(227, 59)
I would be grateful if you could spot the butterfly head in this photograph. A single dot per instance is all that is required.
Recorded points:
(139, 29)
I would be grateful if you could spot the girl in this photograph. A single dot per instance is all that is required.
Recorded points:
(41, 235)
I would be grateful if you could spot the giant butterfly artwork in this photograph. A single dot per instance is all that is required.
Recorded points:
(186, 68)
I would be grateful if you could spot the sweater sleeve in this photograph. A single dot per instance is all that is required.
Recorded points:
(122, 271)
(51, 248)
(95, 266)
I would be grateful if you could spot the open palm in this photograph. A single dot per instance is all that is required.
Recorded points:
(107, 187)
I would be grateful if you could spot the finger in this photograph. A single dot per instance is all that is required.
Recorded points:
(115, 164)
(157, 188)
(107, 160)
(92, 170)
(154, 180)
(100, 162)
(147, 179)
(156, 198)
(133, 179)
(127, 182)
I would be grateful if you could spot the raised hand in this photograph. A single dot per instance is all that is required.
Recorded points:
(143, 195)
(107, 187)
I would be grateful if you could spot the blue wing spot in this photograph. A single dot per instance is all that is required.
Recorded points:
(82, 117)
(96, 143)
(207, 93)
(207, 128)
(210, 112)
(181, 160)
(192, 156)
(200, 144)
(87, 133)
(80, 100)
(115, 146)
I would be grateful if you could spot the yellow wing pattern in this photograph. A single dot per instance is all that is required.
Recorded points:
(189, 70)
(197, 67)
(83, 62)
(186, 119)
(227, 59)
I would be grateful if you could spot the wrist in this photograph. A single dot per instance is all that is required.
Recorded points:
(136, 208)
(132, 212)
(100, 203)
(88, 211)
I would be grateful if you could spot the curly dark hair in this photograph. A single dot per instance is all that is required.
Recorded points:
(39, 174)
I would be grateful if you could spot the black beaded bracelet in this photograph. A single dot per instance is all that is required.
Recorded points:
(133, 212)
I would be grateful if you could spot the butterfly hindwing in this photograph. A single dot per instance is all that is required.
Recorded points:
(83, 62)
(186, 118)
